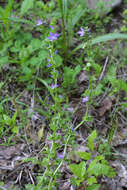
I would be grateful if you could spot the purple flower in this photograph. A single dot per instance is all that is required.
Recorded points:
(61, 155)
(56, 52)
(51, 27)
(86, 99)
(53, 36)
(81, 32)
(39, 22)
(49, 65)
(54, 86)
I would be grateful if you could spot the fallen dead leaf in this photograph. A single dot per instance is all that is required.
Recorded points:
(65, 186)
(106, 105)
(122, 173)
(83, 77)
(9, 152)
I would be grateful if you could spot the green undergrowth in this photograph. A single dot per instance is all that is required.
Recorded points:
(44, 48)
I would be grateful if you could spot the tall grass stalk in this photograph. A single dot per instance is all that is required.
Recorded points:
(63, 11)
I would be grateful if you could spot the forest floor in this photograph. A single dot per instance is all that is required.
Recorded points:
(47, 115)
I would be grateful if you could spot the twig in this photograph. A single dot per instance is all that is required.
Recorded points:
(102, 73)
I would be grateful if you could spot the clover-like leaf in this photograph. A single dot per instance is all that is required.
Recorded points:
(91, 139)
(85, 155)
(78, 170)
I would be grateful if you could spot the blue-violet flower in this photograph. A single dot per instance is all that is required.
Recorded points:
(54, 86)
(39, 22)
(86, 99)
(61, 155)
(49, 65)
(53, 36)
(51, 27)
(81, 32)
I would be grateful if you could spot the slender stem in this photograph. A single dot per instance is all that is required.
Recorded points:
(63, 29)
(65, 149)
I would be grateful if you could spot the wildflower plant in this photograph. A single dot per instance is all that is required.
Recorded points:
(55, 120)
(91, 167)
(33, 50)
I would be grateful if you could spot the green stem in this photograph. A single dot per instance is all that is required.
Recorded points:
(65, 149)
(64, 30)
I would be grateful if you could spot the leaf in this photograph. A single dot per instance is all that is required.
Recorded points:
(47, 86)
(19, 20)
(69, 76)
(1, 12)
(122, 85)
(58, 60)
(79, 13)
(75, 182)
(7, 12)
(104, 38)
(26, 5)
(100, 157)
(65, 7)
(14, 118)
(108, 37)
(78, 170)
(15, 129)
(99, 169)
(85, 155)
(35, 44)
(93, 187)
(91, 139)
(91, 180)
(1, 84)
(41, 133)
(34, 160)
(7, 119)
(43, 54)
(3, 60)
(98, 90)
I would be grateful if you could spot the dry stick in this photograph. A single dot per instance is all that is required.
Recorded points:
(31, 178)
(102, 73)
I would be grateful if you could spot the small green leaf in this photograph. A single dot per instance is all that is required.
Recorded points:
(99, 169)
(78, 170)
(35, 44)
(41, 133)
(91, 139)
(26, 5)
(85, 155)
(58, 60)
(122, 85)
(76, 182)
(43, 54)
(91, 180)
(1, 84)
(98, 90)
(14, 117)
(93, 187)
(7, 119)
(15, 129)
(100, 157)
(3, 60)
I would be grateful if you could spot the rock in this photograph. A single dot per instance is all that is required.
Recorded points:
(103, 7)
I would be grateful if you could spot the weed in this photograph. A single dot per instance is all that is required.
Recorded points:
(94, 165)
(44, 46)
